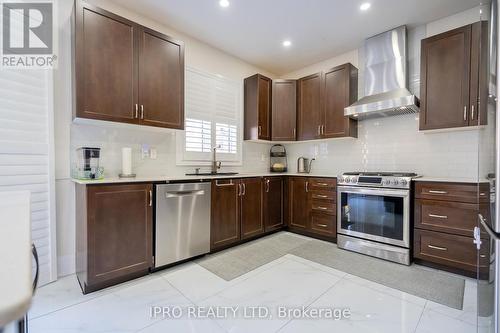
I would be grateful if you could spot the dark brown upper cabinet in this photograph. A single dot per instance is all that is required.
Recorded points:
(453, 86)
(124, 72)
(321, 100)
(283, 111)
(161, 80)
(258, 101)
(340, 90)
(309, 107)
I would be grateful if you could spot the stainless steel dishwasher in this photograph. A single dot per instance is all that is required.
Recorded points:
(182, 222)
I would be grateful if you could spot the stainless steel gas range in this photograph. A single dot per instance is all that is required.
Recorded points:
(373, 215)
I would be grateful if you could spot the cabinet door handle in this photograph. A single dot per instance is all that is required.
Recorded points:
(472, 112)
(260, 130)
(244, 189)
(239, 190)
(150, 198)
(267, 185)
(437, 248)
(136, 111)
(322, 129)
(437, 192)
(438, 216)
(294, 132)
(465, 113)
(319, 129)
(307, 186)
(142, 111)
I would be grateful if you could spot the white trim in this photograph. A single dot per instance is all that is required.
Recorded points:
(52, 176)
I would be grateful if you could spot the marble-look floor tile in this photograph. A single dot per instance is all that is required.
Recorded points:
(371, 311)
(196, 283)
(59, 294)
(184, 326)
(433, 321)
(289, 283)
(124, 310)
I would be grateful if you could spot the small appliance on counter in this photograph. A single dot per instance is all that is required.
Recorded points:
(88, 164)
(278, 159)
(304, 165)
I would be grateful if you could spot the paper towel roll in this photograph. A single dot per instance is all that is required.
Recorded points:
(126, 161)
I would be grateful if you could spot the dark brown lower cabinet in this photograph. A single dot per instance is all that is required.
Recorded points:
(273, 203)
(312, 206)
(445, 215)
(298, 203)
(225, 222)
(114, 233)
(252, 223)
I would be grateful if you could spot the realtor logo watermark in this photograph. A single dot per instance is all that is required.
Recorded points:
(28, 34)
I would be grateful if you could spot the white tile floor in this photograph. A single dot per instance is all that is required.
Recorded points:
(289, 281)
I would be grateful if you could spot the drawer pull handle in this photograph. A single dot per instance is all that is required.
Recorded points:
(322, 225)
(482, 194)
(322, 184)
(321, 196)
(438, 216)
(482, 255)
(223, 184)
(437, 192)
(322, 208)
(437, 247)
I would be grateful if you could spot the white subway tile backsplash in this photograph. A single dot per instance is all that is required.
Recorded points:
(395, 144)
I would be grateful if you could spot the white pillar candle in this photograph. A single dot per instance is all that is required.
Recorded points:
(126, 161)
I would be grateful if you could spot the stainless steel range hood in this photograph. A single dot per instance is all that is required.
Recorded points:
(385, 79)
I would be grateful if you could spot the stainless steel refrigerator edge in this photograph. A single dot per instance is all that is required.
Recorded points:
(488, 283)
(182, 229)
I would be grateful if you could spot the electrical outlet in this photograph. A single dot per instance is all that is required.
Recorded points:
(153, 153)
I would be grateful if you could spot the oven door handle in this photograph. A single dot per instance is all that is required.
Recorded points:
(373, 191)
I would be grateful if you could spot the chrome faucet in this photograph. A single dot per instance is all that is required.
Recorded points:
(215, 165)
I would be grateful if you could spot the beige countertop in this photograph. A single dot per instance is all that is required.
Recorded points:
(450, 179)
(141, 179)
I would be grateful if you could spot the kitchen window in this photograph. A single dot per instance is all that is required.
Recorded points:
(213, 110)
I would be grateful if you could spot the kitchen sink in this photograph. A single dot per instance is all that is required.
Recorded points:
(212, 174)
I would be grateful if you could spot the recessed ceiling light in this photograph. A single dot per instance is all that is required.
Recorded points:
(365, 6)
(224, 3)
(287, 43)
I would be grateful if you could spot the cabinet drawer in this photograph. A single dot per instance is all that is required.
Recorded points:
(446, 216)
(324, 195)
(328, 184)
(451, 191)
(450, 250)
(323, 223)
(324, 207)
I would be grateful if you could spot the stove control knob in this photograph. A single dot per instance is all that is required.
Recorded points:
(404, 182)
(345, 179)
(353, 179)
(387, 182)
(395, 182)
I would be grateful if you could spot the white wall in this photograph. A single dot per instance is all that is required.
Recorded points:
(69, 136)
(395, 143)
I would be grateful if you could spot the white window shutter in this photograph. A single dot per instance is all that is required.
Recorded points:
(26, 161)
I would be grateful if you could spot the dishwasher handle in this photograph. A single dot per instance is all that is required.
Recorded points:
(179, 194)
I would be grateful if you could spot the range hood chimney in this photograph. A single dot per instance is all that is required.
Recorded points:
(386, 79)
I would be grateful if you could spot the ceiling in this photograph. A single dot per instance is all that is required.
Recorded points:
(254, 30)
